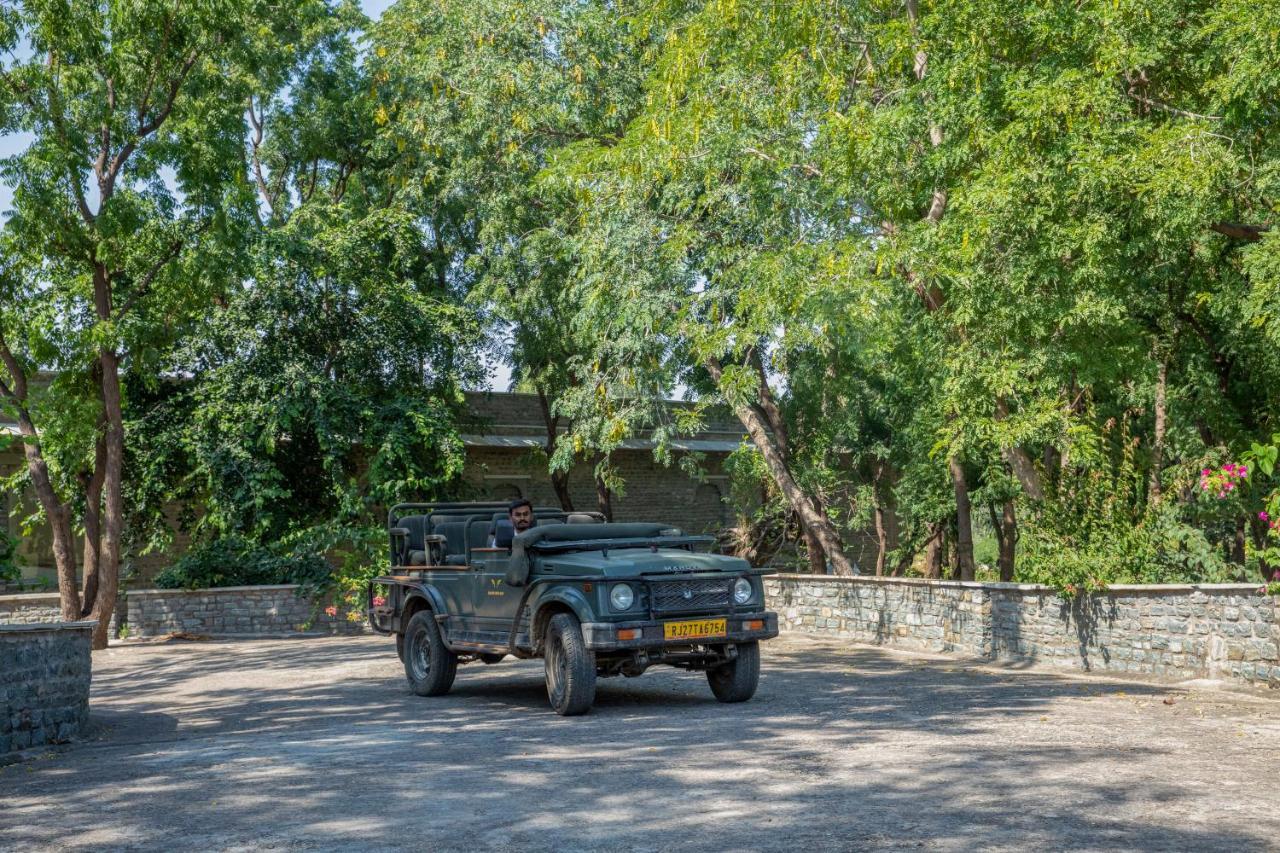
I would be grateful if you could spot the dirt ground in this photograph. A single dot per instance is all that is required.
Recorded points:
(318, 745)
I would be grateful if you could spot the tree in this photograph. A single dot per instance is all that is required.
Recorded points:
(702, 251)
(326, 386)
(475, 97)
(104, 260)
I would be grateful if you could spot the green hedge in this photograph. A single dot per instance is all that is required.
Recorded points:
(232, 561)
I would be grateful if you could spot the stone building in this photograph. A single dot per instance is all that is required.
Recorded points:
(505, 438)
(506, 458)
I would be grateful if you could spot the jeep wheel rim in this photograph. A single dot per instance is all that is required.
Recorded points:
(556, 673)
(420, 656)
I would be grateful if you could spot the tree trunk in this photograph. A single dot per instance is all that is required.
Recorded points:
(113, 502)
(1008, 541)
(1157, 443)
(949, 552)
(813, 550)
(964, 521)
(1019, 460)
(1259, 531)
(772, 412)
(933, 553)
(1237, 544)
(559, 478)
(882, 537)
(604, 497)
(58, 515)
(93, 484)
(881, 540)
(56, 511)
(811, 514)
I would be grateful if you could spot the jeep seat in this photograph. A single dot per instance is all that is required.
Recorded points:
(455, 537)
(414, 551)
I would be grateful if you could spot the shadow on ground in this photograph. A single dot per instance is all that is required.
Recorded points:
(319, 744)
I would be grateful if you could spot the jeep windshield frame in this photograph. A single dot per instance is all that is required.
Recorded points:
(654, 542)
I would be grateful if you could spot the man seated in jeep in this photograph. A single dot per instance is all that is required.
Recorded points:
(520, 512)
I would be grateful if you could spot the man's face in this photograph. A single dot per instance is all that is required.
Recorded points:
(522, 518)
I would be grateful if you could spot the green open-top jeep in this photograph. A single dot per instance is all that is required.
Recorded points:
(591, 598)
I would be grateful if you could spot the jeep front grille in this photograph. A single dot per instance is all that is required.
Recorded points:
(691, 595)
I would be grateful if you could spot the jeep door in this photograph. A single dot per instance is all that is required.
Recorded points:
(495, 600)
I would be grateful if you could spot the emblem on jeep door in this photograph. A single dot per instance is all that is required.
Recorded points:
(686, 593)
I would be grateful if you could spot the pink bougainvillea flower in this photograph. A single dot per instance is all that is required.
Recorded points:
(331, 610)
(378, 601)
(1263, 515)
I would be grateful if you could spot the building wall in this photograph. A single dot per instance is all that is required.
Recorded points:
(507, 413)
(651, 492)
(1227, 631)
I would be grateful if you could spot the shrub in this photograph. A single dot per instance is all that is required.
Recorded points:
(232, 561)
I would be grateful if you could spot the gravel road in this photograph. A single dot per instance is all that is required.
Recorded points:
(317, 745)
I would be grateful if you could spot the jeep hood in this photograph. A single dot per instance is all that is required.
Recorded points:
(627, 562)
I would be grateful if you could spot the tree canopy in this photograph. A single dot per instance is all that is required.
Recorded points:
(995, 283)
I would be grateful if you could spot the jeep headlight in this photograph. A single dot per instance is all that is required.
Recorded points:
(621, 596)
(741, 591)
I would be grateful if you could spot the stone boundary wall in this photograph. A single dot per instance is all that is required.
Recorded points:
(45, 671)
(231, 611)
(1221, 631)
(30, 607)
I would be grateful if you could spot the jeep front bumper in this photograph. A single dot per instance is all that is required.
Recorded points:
(603, 636)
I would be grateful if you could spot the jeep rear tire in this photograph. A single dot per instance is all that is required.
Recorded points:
(570, 667)
(736, 681)
(428, 665)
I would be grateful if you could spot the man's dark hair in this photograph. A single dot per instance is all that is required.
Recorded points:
(517, 503)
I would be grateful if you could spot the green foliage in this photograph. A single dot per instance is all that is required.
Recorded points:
(232, 561)
(9, 569)
(1098, 529)
(952, 235)
(326, 386)
(970, 235)
(129, 216)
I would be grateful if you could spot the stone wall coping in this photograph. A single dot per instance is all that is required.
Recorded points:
(211, 590)
(30, 598)
(1239, 588)
(28, 628)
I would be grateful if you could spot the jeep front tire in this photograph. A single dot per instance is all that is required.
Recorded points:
(570, 667)
(736, 681)
(428, 665)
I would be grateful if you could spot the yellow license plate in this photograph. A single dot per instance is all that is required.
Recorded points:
(694, 629)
